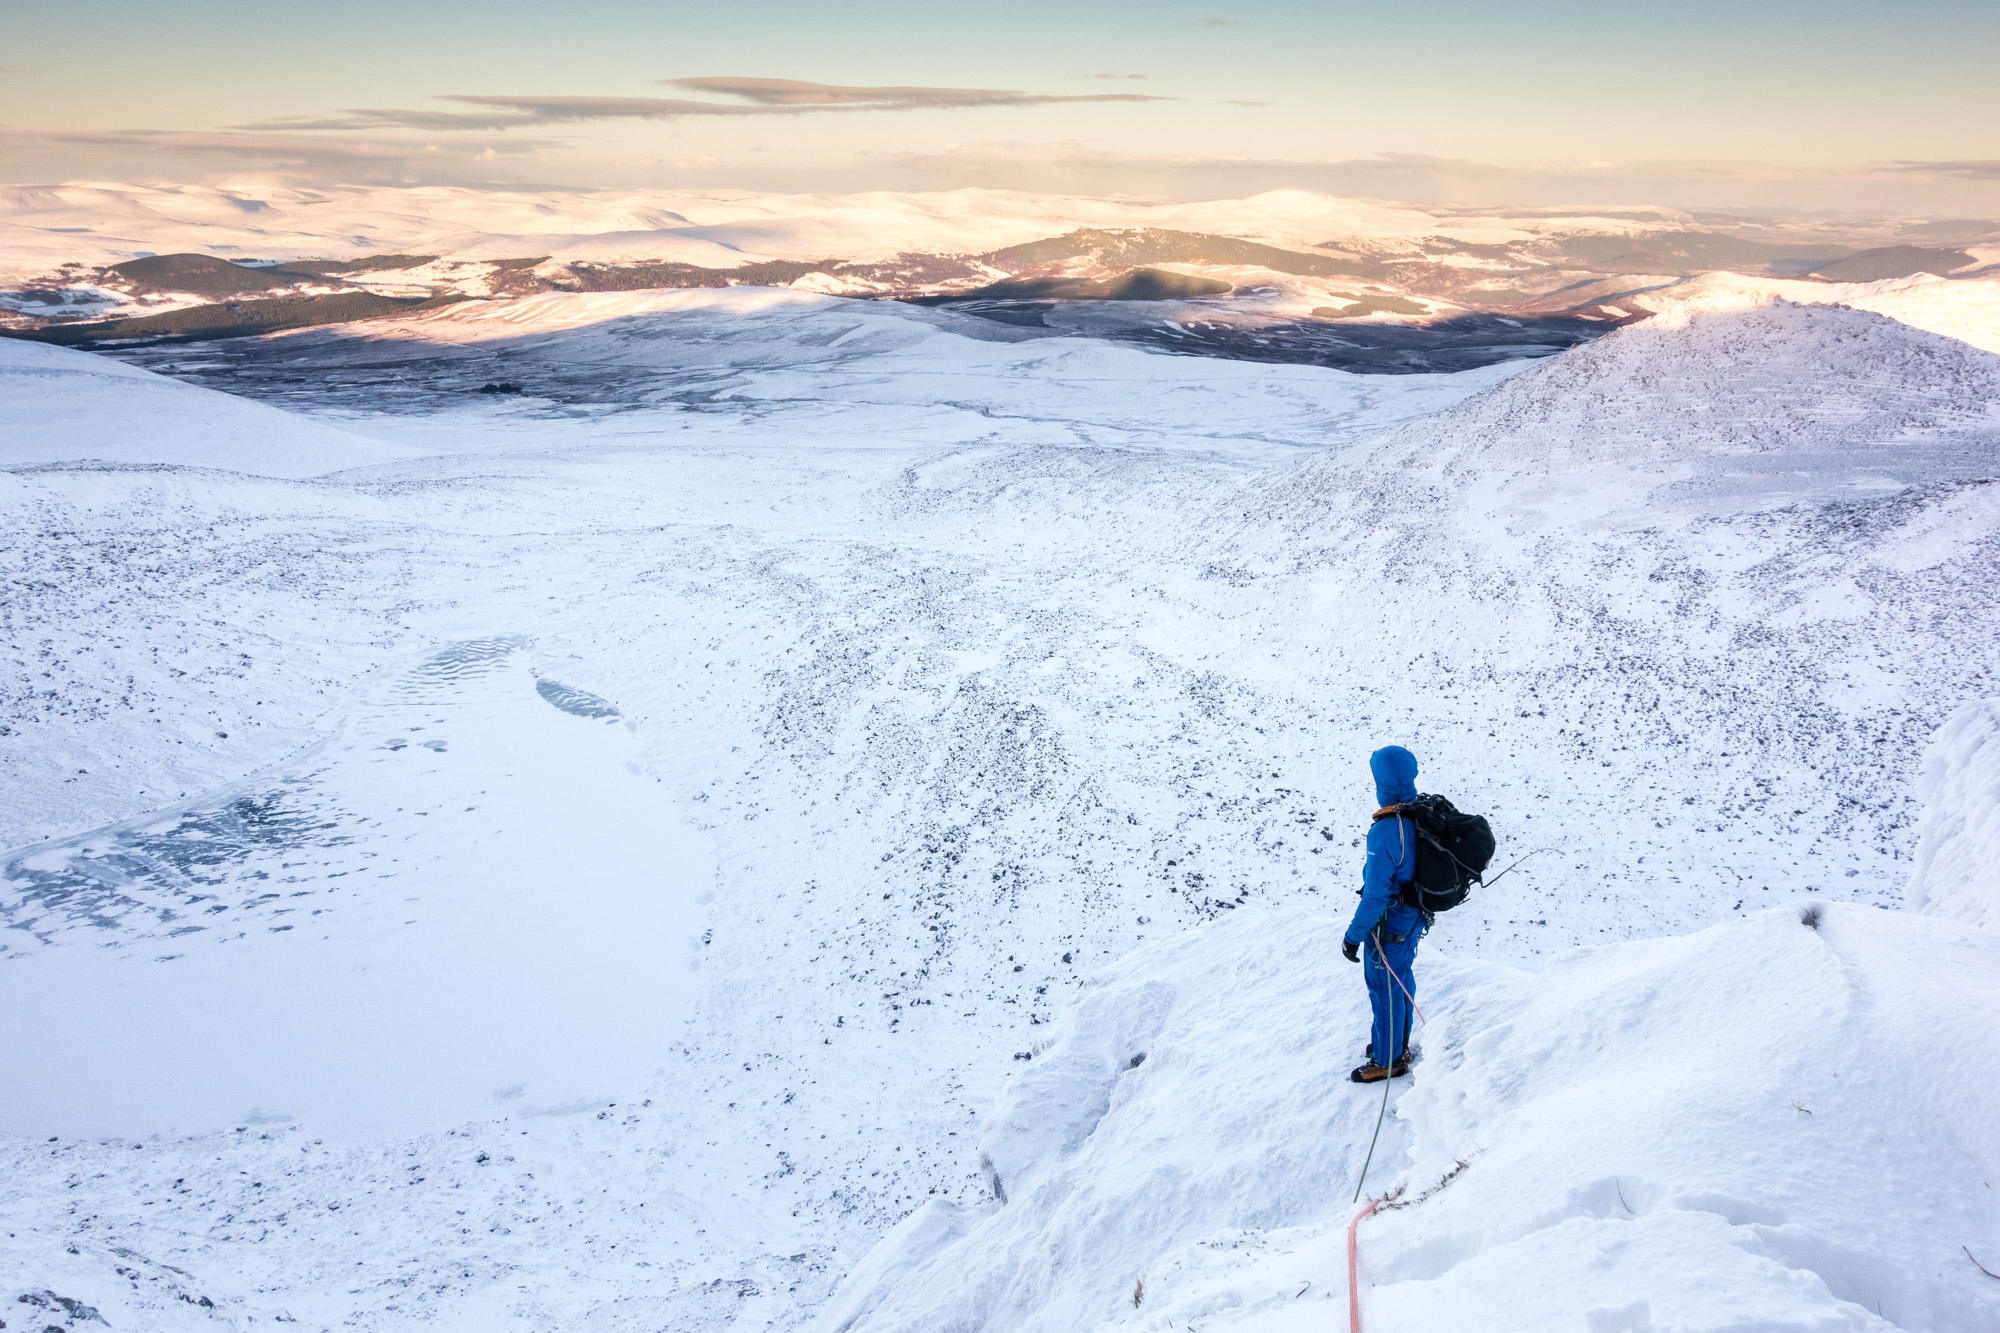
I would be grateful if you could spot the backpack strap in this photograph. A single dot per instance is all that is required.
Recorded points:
(1398, 813)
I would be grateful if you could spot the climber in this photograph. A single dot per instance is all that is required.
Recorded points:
(1385, 927)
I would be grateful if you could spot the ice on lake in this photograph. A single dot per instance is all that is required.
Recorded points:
(463, 893)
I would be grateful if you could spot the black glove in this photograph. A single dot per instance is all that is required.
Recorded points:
(1350, 951)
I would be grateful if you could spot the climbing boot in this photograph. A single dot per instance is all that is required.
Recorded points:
(1374, 1073)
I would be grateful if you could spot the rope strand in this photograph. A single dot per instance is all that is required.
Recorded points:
(1489, 883)
(1387, 1078)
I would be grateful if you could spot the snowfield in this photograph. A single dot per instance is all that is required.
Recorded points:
(590, 856)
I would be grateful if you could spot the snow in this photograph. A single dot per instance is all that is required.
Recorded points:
(957, 665)
(1967, 309)
(58, 405)
(1957, 872)
(1734, 401)
(444, 980)
(103, 222)
(1778, 1122)
(868, 372)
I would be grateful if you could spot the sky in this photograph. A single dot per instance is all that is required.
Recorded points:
(1775, 104)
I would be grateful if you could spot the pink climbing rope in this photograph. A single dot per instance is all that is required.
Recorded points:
(1406, 991)
(1353, 1275)
(1398, 980)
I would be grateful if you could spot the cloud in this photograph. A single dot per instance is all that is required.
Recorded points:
(757, 97)
(800, 95)
(312, 158)
(502, 112)
(1444, 184)
(1215, 23)
(1988, 170)
(1111, 76)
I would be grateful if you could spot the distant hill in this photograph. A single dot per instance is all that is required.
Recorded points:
(1894, 261)
(1139, 284)
(235, 319)
(202, 275)
(365, 264)
(1152, 245)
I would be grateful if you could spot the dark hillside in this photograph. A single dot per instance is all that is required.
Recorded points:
(203, 275)
(1689, 252)
(234, 319)
(1139, 284)
(1153, 246)
(365, 264)
(1895, 261)
(587, 277)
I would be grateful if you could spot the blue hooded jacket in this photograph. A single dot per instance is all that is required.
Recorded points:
(1392, 852)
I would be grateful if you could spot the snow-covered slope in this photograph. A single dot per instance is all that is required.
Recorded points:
(1777, 1123)
(1761, 544)
(61, 405)
(1957, 874)
(977, 663)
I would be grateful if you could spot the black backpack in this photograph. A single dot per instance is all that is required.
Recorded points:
(1453, 851)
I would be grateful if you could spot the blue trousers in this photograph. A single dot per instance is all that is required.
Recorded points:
(1390, 1036)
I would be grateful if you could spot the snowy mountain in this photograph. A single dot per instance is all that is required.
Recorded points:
(713, 228)
(1284, 276)
(592, 862)
(1784, 400)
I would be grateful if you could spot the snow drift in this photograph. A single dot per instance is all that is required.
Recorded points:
(1777, 1123)
(58, 405)
(1957, 873)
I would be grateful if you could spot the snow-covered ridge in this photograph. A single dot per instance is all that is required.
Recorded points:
(1777, 1123)
(1764, 379)
(58, 405)
(1967, 309)
(1728, 413)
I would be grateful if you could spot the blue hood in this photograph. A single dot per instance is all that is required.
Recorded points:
(1395, 771)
